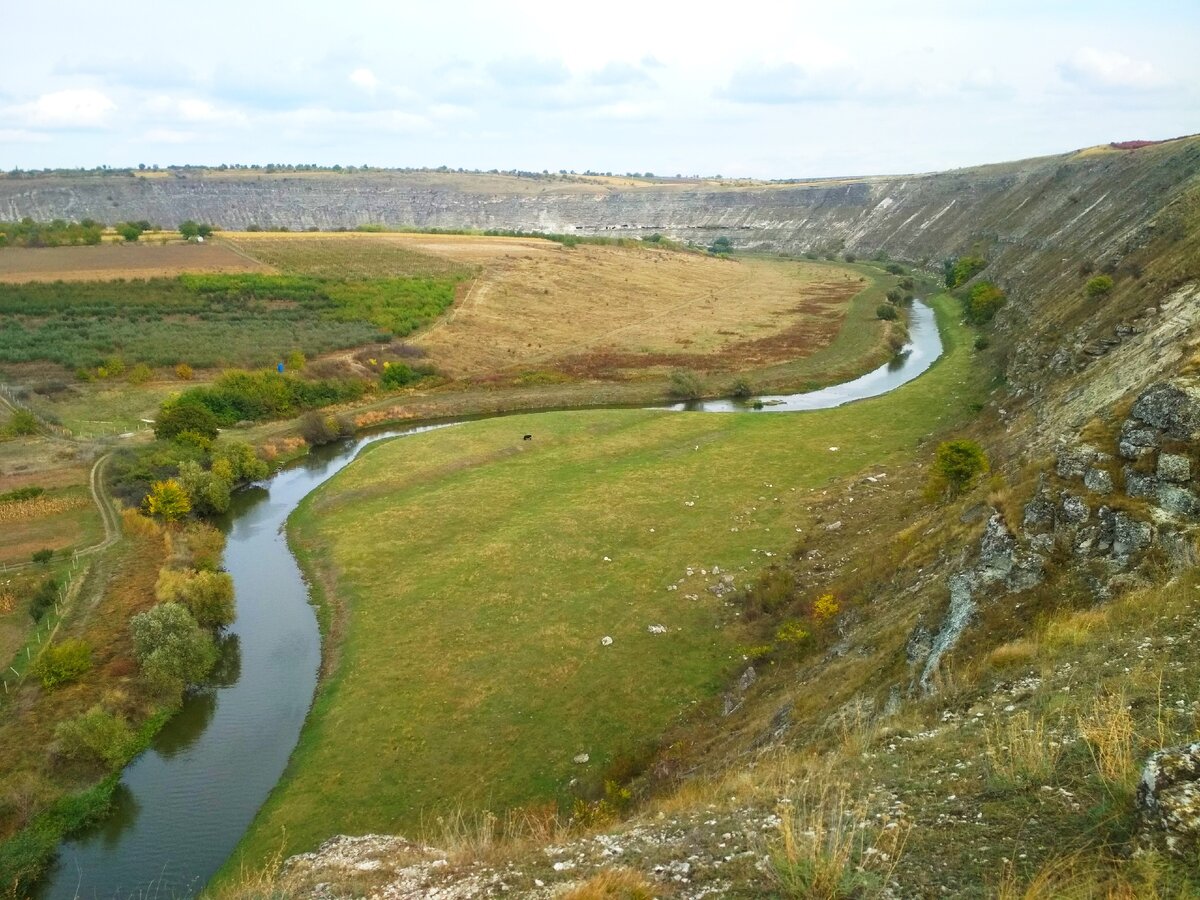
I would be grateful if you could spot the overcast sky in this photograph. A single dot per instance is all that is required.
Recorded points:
(759, 89)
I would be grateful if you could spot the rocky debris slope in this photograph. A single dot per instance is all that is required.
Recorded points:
(1168, 799)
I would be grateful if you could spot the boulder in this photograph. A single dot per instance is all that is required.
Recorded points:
(1136, 440)
(1130, 535)
(1139, 484)
(1098, 481)
(1039, 511)
(1175, 468)
(1172, 407)
(1074, 509)
(1177, 500)
(1168, 799)
(1073, 462)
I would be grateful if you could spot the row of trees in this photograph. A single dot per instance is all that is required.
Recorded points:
(61, 233)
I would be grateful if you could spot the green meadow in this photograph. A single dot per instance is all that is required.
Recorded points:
(467, 579)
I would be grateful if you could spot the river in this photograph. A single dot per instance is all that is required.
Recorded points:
(183, 805)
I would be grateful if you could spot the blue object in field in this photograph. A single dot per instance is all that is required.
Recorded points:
(279, 368)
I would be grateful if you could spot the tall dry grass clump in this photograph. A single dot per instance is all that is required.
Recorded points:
(826, 851)
(1021, 750)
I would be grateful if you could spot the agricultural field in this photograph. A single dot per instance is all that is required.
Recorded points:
(366, 255)
(470, 674)
(111, 261)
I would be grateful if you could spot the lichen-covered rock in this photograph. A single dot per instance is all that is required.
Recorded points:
(1098, 481)
(1179, 548)
(996, 550)
(1130, 535)
(1028, 570)
(1173, 467)
(1168, 799)
(1173, 407)
(1177, 500)
(1074, 509)
(1074, 461)
(1039, 511)
(1139, 484)
(1136, 440)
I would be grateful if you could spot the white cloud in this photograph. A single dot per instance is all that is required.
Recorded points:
(1110, 70)
(364, 78)
(80, 108)
(168, 136)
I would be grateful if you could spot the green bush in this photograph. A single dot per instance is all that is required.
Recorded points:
(960, 271)
(895, 269)
(685, 385)
(397, 375)
(185, 415)
(742, 388)
(25, 493)
(239, 395)
(957, 467)
(96, 736)
(43, 599)
(982, 342)
(171, 648)
(42, 557)
(983, 302)
(1098, 286)
(886, 311)
(318, 429)
(22, 423)
(63, 663)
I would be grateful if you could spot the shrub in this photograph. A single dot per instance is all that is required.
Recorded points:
(317, 428)
(168, 500)
(207, 595)
(63, 663)
(983, 303)
(238, 395)
(170, 646)
(742, 388)
(963, 269)
(97, 735)
(684, 385)
(957, 466)
(140, 374)
(896, 269)
(886, 312)
(185, 414)
(1098, 286)
(184, 372)
(906, 283)
(850, 257)
(23, 422)
(894, 295)
(825, 608)
(43, 599)
(982, 342)
(397, 375)
(721, 245)
(295, 361)
(792, 632)
(42, 557)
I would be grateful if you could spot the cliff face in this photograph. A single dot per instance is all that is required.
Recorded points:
(1104, 197)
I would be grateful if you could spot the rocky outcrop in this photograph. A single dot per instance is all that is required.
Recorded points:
(1168, 800)
(1002, 567)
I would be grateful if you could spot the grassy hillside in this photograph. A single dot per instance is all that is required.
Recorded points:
(468, 573)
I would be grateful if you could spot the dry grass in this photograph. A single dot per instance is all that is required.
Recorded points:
(1075, 629)
(365, 255)
(616, 884)
(1022, 750)
(825, 849)
(602, 311)
(106, 262)
(1109, 731)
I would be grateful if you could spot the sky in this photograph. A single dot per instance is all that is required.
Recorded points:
(750, 89)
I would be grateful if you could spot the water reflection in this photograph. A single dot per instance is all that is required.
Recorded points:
(187, 725)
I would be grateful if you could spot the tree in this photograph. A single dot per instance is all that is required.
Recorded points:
(1099, 286)
(721, 245)
(42, 557)
(957, 466)
(168, 500)
(129, 231)
(63, 663)
(983, 303)
(885, 311)
(184, 414)
(23, 422)
(170, 646)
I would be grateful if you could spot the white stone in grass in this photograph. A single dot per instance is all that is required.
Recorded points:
(606, 641)
(657, 629)
(580, 759)
(606, 559)
(833, 449)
